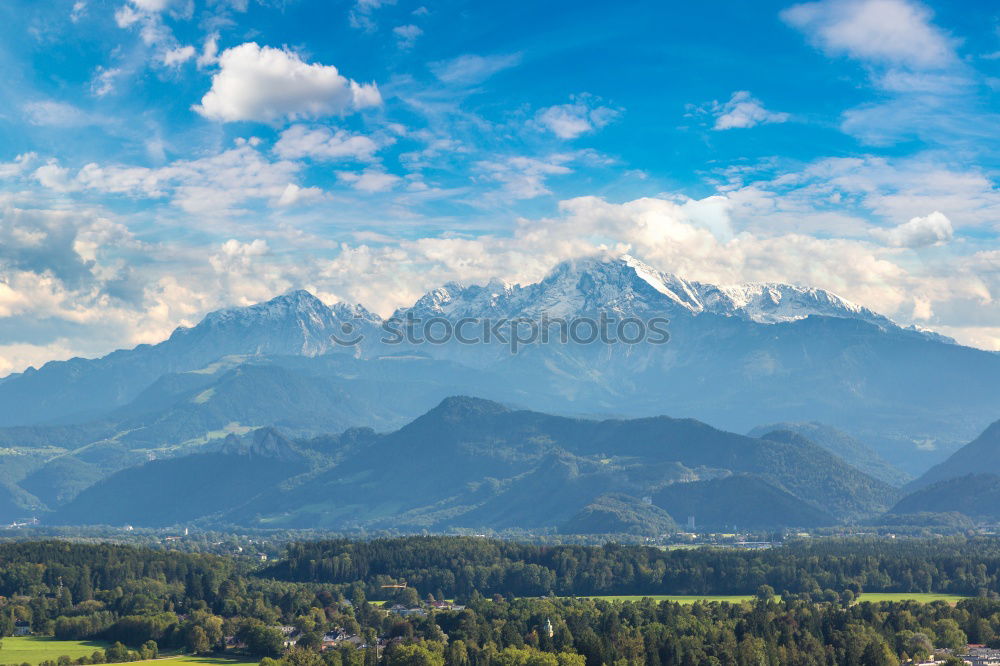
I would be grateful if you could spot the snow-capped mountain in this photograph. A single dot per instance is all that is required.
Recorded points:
(737, 356)
(626, 286)
(296, 323)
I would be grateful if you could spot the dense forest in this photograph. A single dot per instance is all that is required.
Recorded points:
(143, 602)
(456, 566)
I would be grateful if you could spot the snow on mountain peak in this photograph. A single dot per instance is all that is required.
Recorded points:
(627, 285)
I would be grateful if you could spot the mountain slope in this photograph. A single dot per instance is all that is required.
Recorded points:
(974, 495)
(80, 389)
(981, 455)
(619, 514)
(472, 462)
(739, 501)
(839, 444)
(167, 492)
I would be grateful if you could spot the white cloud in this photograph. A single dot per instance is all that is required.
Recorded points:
(406, 35)
(79, 11)
(743, 111)
(568, 121)
(55, 177)
(360, 15)
(932, 229)
(178, 56)
(895, 32)
(151, 5)
(267, 84)
(371, 179)
(524, 177)
(19, 166)
(294, 195)
(235, 256)
(56, 114)
(209, 52)
(471, 69)
(322, 143)
(104, 80)
(215, 185)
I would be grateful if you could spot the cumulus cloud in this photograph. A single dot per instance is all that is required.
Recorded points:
(265, 84)
(568, 121)
(235, 256)
(471, 69)
(933, 229)
(897, 32)
(742, 111)
(324, 144)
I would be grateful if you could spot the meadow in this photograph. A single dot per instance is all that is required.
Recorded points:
(36, 649)
(922, 597)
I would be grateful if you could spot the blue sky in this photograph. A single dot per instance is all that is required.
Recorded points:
(162, 158)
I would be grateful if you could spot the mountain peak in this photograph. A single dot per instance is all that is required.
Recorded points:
(462, 406)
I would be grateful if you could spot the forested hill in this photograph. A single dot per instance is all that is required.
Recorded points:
(459, 566)
(82, 568)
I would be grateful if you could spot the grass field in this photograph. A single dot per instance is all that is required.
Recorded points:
(190, 660)
(681, 598)
(922, 597)
(36, 649)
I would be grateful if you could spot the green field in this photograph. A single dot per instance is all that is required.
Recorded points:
(681, 598)
(36, 649)
(923, 597)
(191, 660)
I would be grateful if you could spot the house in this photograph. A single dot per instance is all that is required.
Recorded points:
(980, 655)
(340, 639)
(403, 611)
(22, 628)
(234, 644)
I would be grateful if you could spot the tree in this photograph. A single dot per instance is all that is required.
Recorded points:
(116, 653)
(150, 650)
(877, 653)
(261, 640)
(415, 654)
(196, 640)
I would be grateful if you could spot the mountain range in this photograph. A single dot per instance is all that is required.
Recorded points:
(825, 374)
(473, 463)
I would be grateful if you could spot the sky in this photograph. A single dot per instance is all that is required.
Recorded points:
(160, 159)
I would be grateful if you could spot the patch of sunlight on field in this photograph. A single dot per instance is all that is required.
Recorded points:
(922, 597)
(36, 649)
(191, 660)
